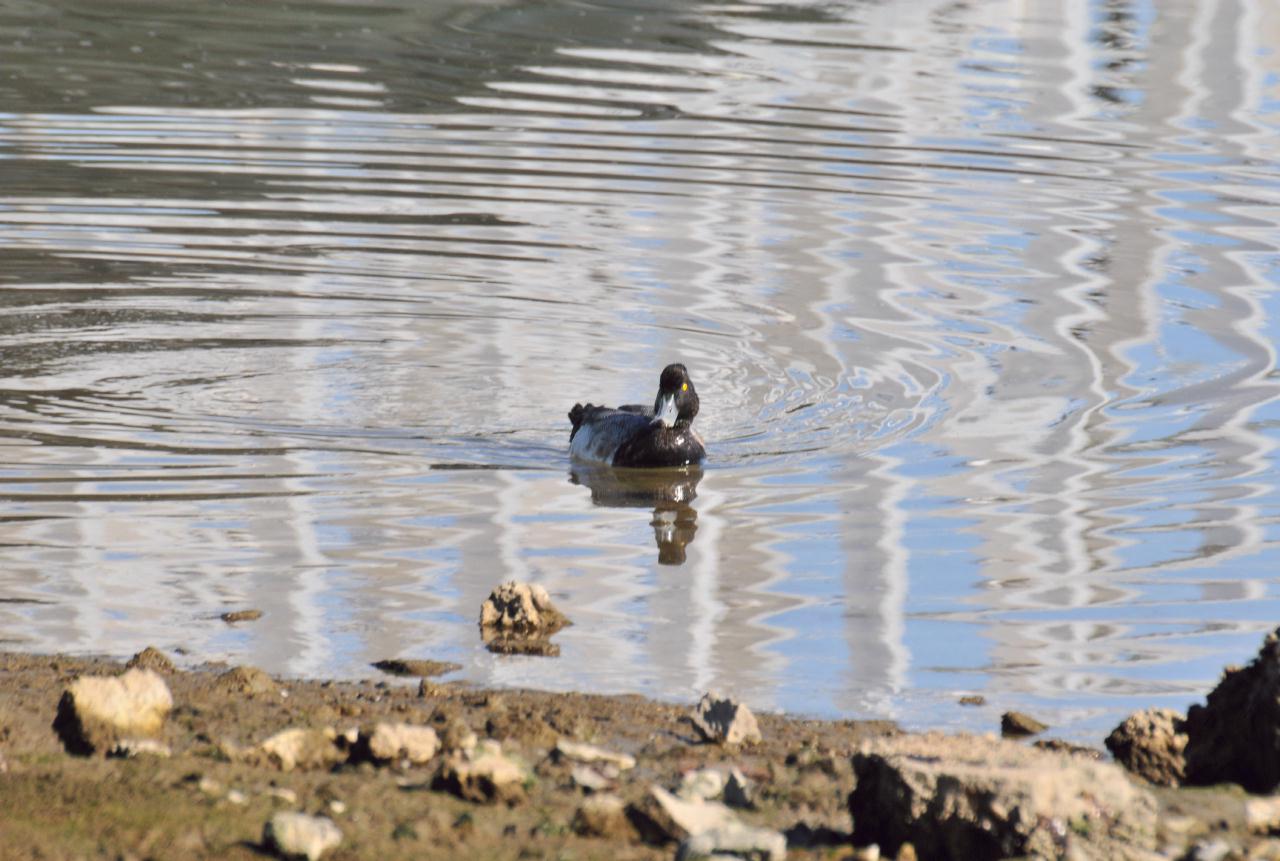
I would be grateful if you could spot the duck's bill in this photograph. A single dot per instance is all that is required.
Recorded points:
(667, 411)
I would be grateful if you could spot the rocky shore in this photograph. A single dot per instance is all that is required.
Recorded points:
(103, 760)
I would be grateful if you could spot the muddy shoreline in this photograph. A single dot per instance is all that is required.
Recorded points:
(212, 794)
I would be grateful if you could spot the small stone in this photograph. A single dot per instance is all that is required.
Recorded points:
(297, 835)
(1262, 814)
(282, 794)
(1015, 724)
(579, 752)
(388, 742)
(152, 659)
(966, 700)
(870, 852)
(589, 779)
(703, 783)
(1215, 849)
(906, 852)
(737, 840)
(247, 680)
(97, 711)
(130, 748)
(663, 817)
(601, 816)
(337, 808)
(484, 774)
(241, 616)
(413, 667)
(209, 786)
(723, 720)
(739, 790)
(301, 748)
(235, 796)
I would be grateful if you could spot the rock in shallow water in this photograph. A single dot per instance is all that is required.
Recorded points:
(297, 835)
(153, 659)
(522, 608)
(974, 797)
(97, 711)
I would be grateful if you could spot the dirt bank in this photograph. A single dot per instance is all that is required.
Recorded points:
(211, 797)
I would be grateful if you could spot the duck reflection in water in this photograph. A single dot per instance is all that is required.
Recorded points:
(669, 492)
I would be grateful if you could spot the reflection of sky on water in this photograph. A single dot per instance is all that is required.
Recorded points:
(980, 300)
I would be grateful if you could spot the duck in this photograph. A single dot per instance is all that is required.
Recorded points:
(633, 435)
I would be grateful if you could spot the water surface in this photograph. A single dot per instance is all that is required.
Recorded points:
(980, 301)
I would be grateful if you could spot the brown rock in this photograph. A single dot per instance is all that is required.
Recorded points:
(1151, 744)
(973, 700)
(602, 815)
(973, 797)
(521, 607)
(95, 712)
(247, 680)
(1235, 736)
(415, 667)
(484, 774)
(1017, 724)
(241, 616)
(152, 659)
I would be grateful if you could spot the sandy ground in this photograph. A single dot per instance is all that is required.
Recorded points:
(206, 802)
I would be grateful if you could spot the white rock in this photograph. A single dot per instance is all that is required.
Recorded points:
(703, 783)
(401, 741)
(235, 796)
(1262, 814)
(297, 835)
(736, 839)
(589, 779)
(301, 748)
(724, 720)
(580, 752)
(129, 748)
(95, 711)
(673, 818)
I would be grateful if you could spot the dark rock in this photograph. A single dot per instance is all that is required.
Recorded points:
(1235, 736)
(1057, 745)
(241, 616)
(1017, 724)
(1151, 744)
(971, 797)
(973, 700)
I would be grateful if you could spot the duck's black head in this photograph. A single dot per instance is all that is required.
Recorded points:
(677, 401)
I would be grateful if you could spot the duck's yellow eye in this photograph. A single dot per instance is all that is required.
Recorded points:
(684, 387)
